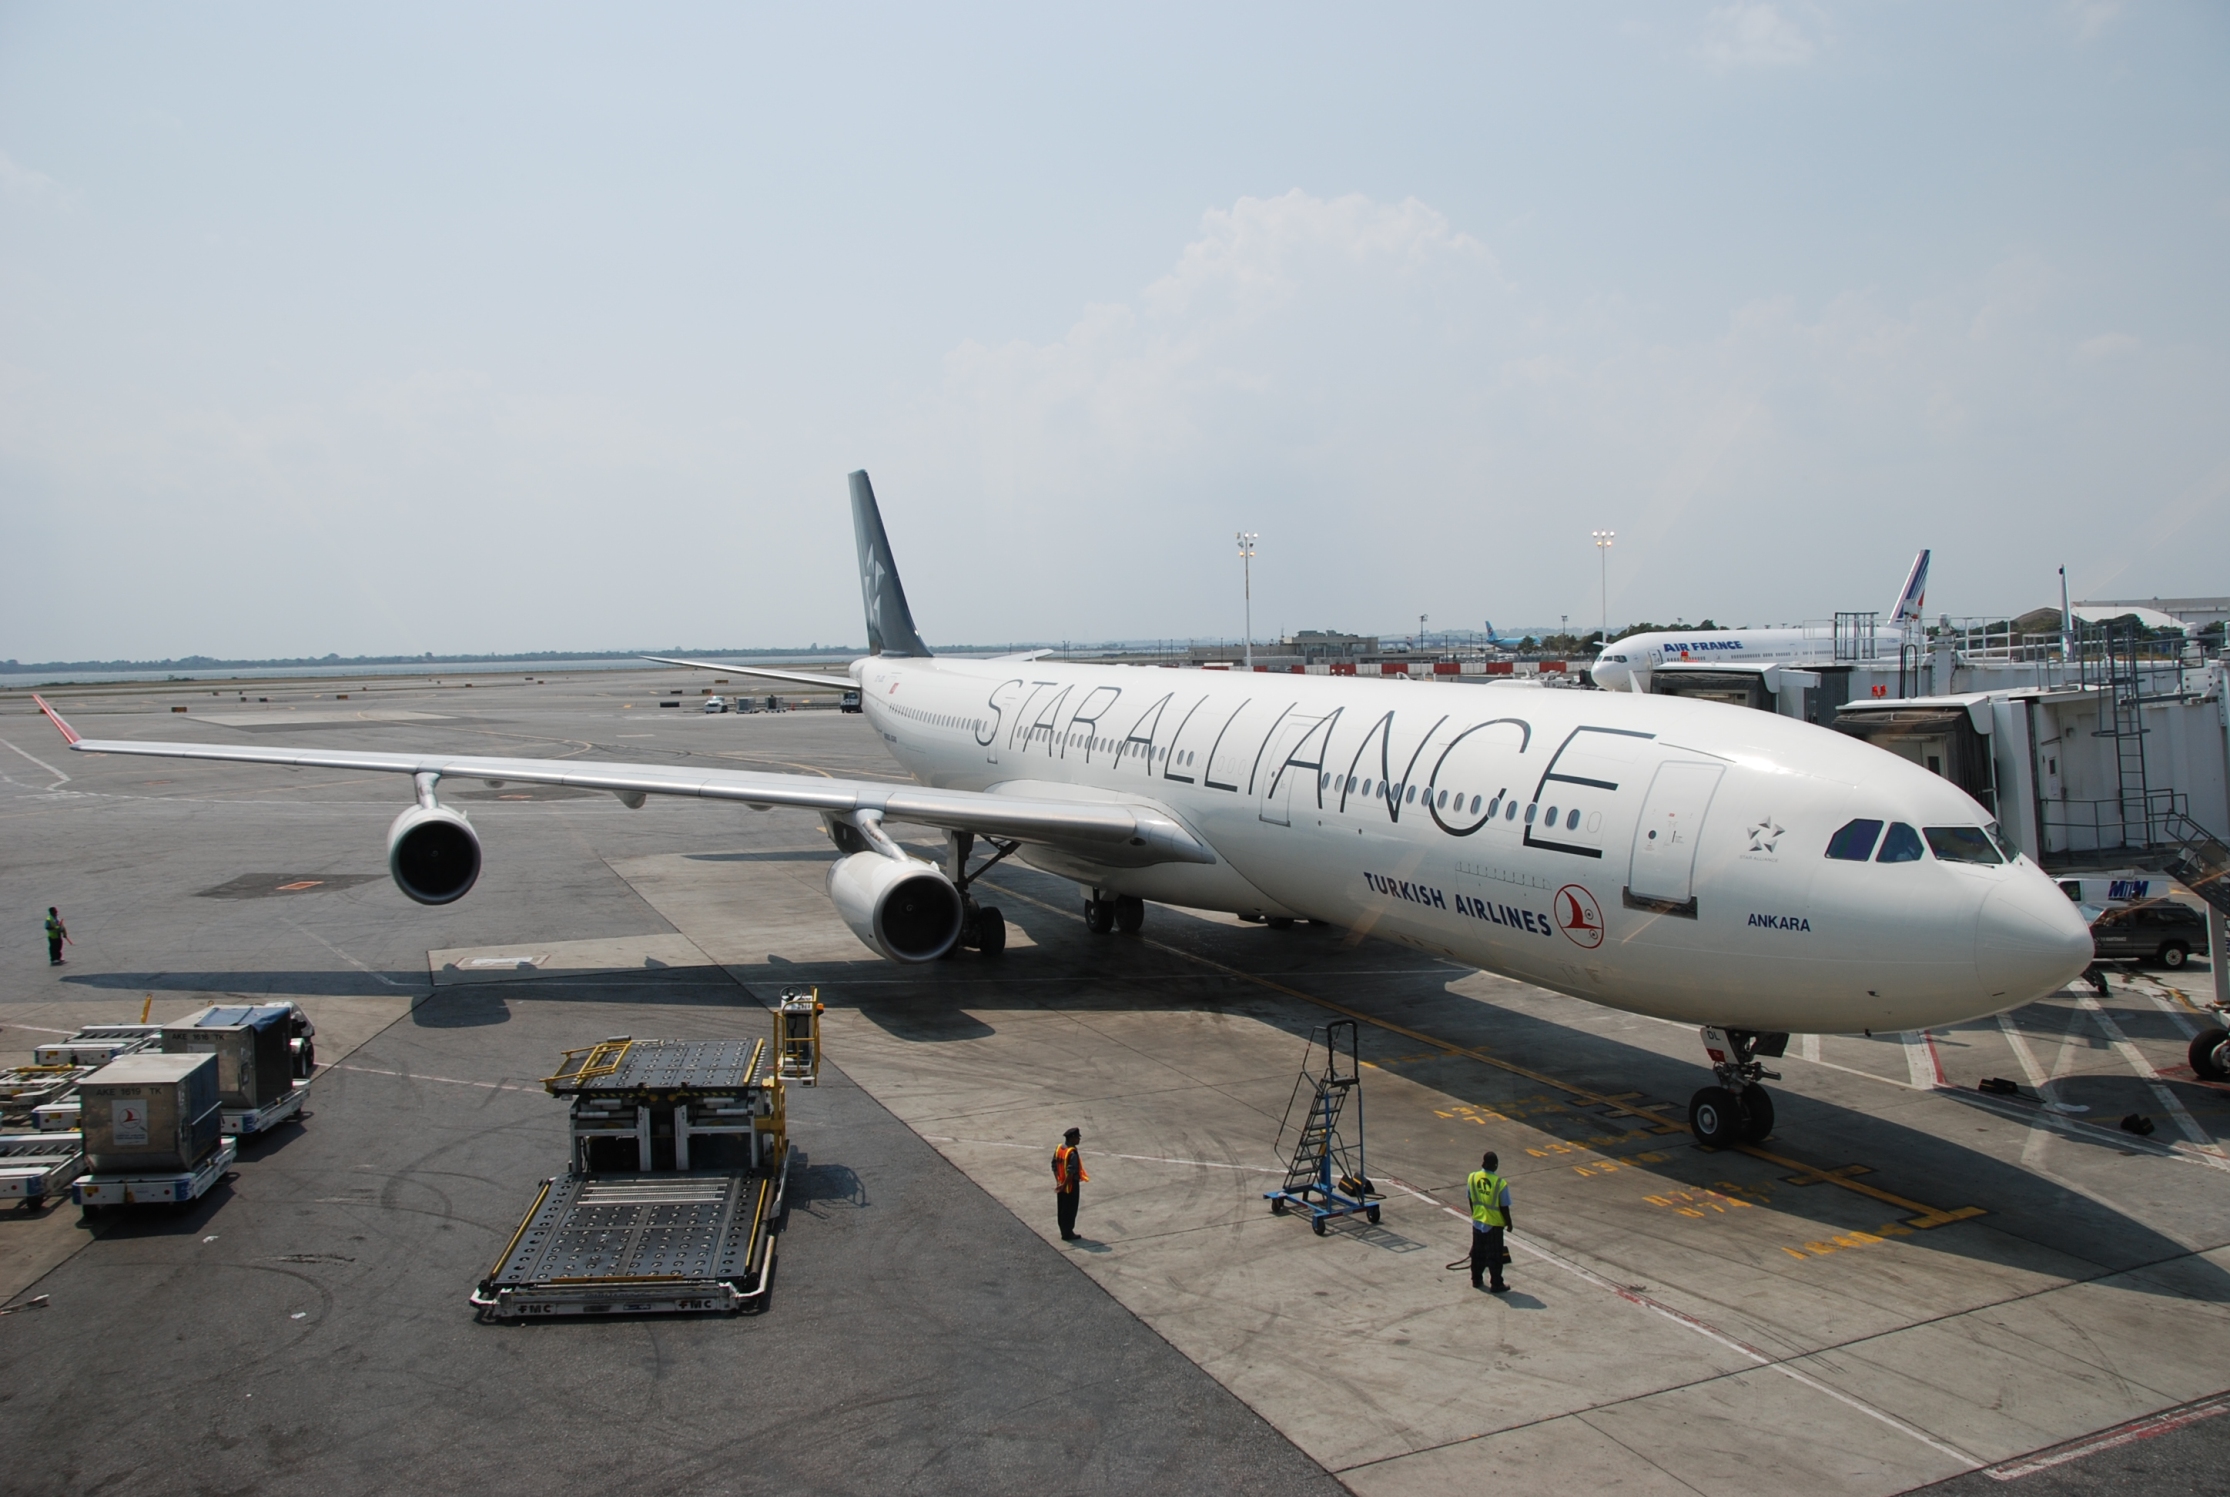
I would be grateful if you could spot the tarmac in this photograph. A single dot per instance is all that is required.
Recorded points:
(1909, 1283)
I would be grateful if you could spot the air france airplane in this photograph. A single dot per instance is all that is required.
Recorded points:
(1744, 872)
(1627, 664)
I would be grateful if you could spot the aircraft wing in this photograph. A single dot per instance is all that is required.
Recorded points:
(1110, 832)
(795, 678)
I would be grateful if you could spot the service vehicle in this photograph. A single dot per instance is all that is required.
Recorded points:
(2165, 932)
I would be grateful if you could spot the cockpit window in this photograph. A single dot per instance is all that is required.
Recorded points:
(1902, 845)
(1855, 842)
(1964, 844)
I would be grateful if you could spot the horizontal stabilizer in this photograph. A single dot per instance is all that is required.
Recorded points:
(795, 678)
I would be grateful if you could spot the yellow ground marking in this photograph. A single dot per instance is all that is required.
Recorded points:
(1810, 1174)
(1620, 1104)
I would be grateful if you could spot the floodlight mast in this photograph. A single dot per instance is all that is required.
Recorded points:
(1603, 539)
(1247, 538)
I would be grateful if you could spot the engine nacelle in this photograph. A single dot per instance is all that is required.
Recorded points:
(433, 854)
(909, 911)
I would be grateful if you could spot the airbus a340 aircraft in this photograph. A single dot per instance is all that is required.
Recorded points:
(1733, 869)
(1627, 663)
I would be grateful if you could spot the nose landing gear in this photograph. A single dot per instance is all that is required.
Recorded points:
(1738, 1110)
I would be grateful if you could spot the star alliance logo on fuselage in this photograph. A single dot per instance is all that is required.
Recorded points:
(1765, 835)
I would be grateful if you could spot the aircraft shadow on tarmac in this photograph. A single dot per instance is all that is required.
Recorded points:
(280, 984)
(2026, 1222)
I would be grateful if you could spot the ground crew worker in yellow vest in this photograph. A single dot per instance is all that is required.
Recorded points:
(56, 934)
(1068, 1178)
(1490, 1214)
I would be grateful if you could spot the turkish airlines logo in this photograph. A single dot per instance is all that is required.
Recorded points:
(1579, 916)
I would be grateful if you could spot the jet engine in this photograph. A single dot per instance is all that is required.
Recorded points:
(433, 853)
(907, 910)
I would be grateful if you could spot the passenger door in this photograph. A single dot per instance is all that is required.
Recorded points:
(1661, 874)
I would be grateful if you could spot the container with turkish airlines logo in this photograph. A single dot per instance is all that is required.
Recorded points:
(150, 1112)
(1579, 916)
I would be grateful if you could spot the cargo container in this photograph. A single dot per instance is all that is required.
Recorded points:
(150, 1112)
(255, 1068)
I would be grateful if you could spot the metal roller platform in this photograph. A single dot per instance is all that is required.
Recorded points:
(681, 1157)
(36, 1167)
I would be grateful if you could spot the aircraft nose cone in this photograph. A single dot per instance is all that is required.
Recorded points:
(2029, 940)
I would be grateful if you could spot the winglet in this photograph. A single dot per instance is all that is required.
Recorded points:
(69, 734)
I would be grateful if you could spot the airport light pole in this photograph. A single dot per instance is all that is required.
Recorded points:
(1247, 538)
(1421, 629)
(1603, 539)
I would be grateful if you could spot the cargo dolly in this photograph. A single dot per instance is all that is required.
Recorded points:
(152, 1131)
(37, 1167)
(681, 1160)
(1326, 1177)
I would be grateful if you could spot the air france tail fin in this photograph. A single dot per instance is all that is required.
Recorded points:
(1910, 601)
(890, 624)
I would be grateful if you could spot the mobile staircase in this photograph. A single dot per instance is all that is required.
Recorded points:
(1326, 1177)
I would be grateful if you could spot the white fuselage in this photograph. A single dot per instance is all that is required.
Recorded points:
(1657, 854)
(1637, 655)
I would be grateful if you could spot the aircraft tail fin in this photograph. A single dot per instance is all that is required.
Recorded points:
(890, 624)
(1914, 595)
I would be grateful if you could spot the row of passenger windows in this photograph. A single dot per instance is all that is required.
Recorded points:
(1856, 842)
(1443, 800)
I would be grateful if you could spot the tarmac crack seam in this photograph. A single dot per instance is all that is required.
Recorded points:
(1206, 1164)
(1710, 1332)
(1925, 1216)
(499, 1086)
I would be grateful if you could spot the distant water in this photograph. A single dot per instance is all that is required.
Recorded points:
(458, 670)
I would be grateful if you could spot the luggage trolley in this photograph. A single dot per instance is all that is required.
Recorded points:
(681, 1161)
(1326, 1176)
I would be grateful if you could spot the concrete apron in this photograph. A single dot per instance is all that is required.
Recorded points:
(1752, 1321)
(33, 1243)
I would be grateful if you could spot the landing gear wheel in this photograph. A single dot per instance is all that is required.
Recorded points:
(2174, 955)
(2210, 1054)
(1130, 914)
(1716, 1117)
(1279, 922)
(1371, 1216)
(1099, 916)
(1757, 1111)
(1318, 1224)
(991, 930)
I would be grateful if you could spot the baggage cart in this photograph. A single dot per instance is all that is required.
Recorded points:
(98, 1192)
(247, 1122)
(37, 1167)
(150, 1114)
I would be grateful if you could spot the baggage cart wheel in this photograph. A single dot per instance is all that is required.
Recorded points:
(1372, 1216)
(1277, 1206)
(1318, 1223)
(2210, 1054)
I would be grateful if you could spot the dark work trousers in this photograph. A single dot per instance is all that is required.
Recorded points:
(1064, 1203)
(1487, 1255)
(54, 951)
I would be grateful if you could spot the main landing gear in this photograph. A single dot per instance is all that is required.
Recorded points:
(981, 925)
(1123, 912)
(1738, 1110)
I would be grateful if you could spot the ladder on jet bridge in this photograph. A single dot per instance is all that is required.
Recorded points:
(1326, 1175)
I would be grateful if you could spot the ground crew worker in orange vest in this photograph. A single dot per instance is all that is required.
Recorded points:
(1068, 1175)
(1490, 1214)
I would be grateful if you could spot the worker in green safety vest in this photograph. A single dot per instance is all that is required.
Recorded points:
(1490, 1214)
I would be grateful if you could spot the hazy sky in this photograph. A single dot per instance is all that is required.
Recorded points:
(469, 327)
